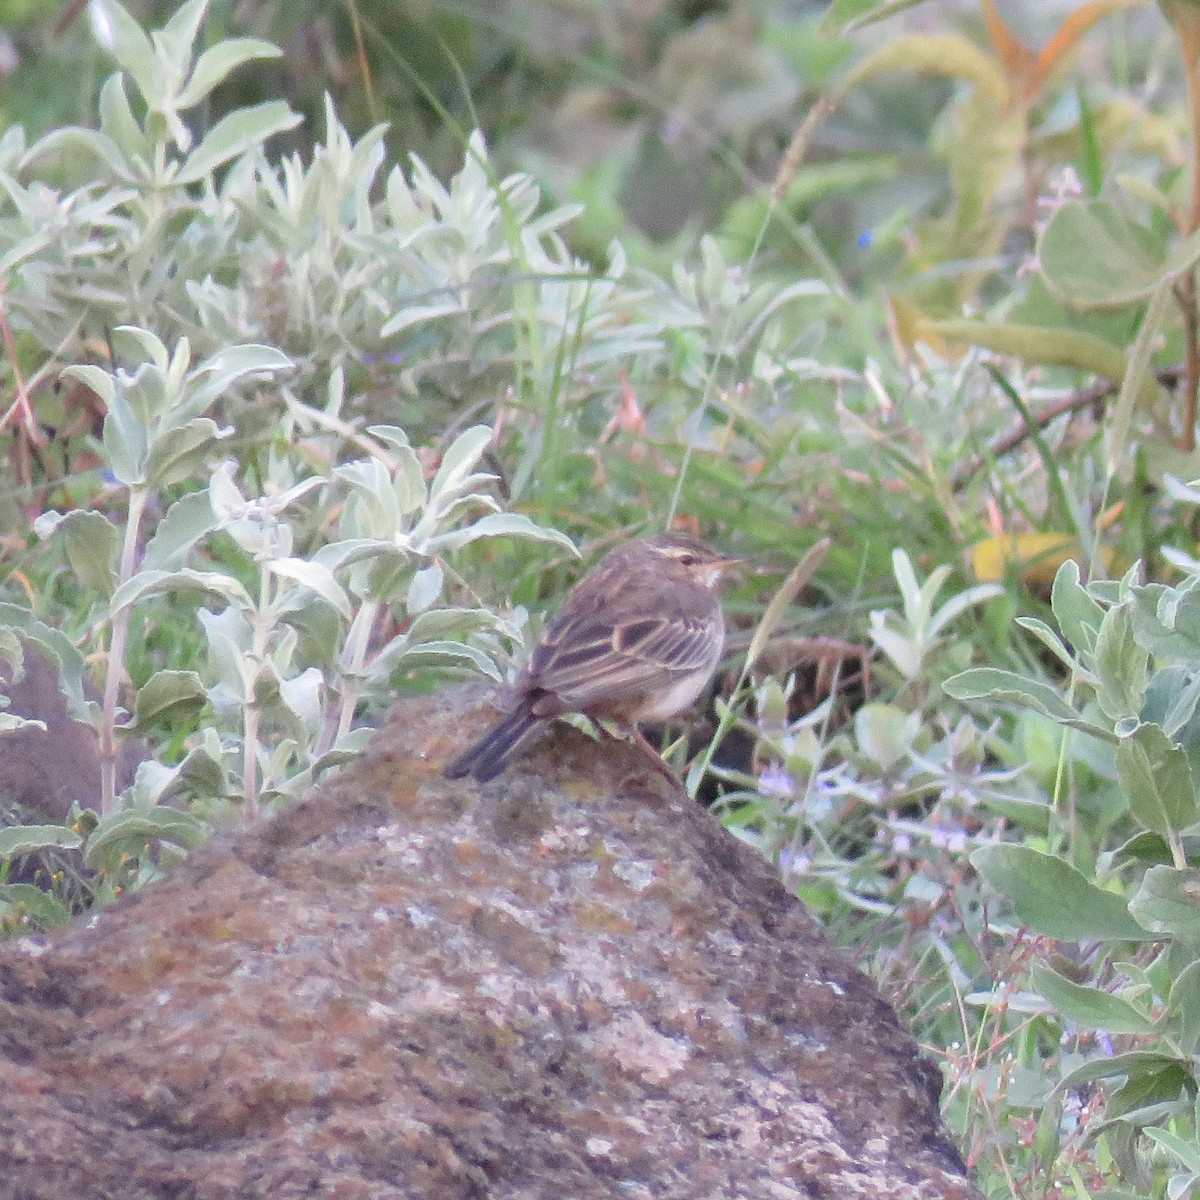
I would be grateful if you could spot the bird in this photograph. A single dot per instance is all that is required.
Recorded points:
(636, 639)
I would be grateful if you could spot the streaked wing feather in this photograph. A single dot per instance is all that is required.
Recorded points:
(582, 664)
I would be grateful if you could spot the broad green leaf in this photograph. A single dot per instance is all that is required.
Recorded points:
(1121, 666)
(1147, 847)
(1157, 780)
(18, 840)
(1093, 255)
(1132, 1064)
(233, 135)
(1089, 1007)
(886, 733)
(1077, 614)
(92, 544)
(147, 584)
(991, 683)
(1186, 1153)
(169, 699)
(128, 830)
(1184, 1004)
(1166, 621)
(1168, 901)
(1051, 896)
(46, 909)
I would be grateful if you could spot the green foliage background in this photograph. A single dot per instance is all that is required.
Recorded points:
(323, 362)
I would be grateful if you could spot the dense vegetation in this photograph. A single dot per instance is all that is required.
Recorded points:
(307, 408)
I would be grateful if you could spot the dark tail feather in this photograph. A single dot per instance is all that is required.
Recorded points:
(492, 753)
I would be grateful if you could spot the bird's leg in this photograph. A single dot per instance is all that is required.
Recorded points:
(631, 733)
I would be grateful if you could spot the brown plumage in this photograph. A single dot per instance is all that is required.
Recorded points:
(636, 640)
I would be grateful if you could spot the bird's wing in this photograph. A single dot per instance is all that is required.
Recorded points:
(592, 657)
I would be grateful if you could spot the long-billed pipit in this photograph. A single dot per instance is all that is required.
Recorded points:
(636, 640)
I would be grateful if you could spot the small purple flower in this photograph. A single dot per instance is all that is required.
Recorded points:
(775, 781)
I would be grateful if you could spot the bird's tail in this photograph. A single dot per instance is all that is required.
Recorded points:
(492, 753)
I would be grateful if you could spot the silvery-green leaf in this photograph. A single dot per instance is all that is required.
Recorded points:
(1121, 666)
(219, 61)
(178, 453)
(459, 461)
(1168, 902)
(1077, 613)
(1052, 642)
(506, 524)
(232, 365)
(1157, 778)
(17, 840)
(414, 314)
(1089, 1007)
(302, 696)
(229, 638)
(316, 578)
(118, 122)
(28, 901)
(425, 589)
(233, 135)
(188, 521)
(147, 584)
(176, 40)
(430, 654)
(136, 345)
(127, 831)
(1055, 898)
(133, 50)
(10, 723)
(126, 443)
(97, 378)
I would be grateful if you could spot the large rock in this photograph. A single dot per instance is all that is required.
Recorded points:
(570, 984)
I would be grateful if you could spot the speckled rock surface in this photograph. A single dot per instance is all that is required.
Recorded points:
(569, 984)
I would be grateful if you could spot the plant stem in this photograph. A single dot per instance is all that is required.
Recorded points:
(1188, 30)
(354, 656)
(1185, 296)
(116, 654)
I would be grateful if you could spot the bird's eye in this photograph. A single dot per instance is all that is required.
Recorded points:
(687, 560)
